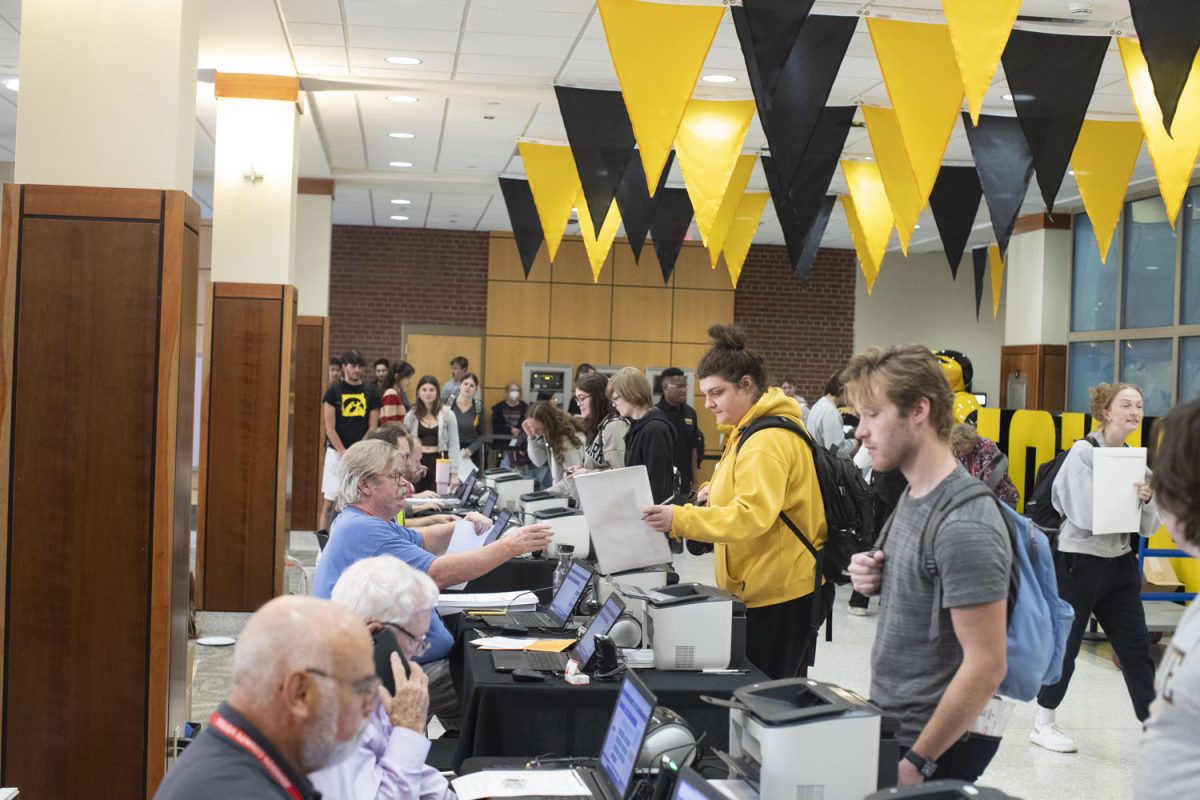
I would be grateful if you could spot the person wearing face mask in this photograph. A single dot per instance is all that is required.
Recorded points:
(397, 604)
(1098, 574)
(304, 684)
(507, 416)
(436, 430)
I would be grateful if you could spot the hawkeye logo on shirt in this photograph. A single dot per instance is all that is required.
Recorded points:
(354, 405)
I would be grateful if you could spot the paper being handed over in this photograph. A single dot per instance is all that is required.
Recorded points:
(612, 503)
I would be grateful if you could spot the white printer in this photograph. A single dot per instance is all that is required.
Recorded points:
(804, 738)
(569, 527)
(509, 488)
(539, 501)
(692, 626)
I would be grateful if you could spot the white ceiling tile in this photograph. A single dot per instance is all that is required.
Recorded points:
(544, 23)
(496, 44)
(431, 61)
(529, 66)
(590, 49)
(437, 16)
(577, 6)
(578, 69)
(403, 40)
(316, 34)
(308, 56)
(321, 11)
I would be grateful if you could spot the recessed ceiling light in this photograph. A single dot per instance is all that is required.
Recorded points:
(400, 202)
(13, 84)
(399, 163)
(916, 227)
(402, 98)
(404, 61)
(401, 135)
(870, 158)
(400, 218)
(718, 79)
(1006, 97)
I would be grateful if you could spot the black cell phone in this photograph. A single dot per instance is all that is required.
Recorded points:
(385, 645)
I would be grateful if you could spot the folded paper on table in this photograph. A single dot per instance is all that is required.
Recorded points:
(1115, 504)
(522, 643)
(454, 603)
(612, 503)
(520, 783)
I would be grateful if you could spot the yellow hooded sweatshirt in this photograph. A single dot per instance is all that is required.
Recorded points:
(758, 558)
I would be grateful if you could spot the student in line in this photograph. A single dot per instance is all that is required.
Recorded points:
(436, 430)
(580, 371)
(651, 438)
(556, 439)
(604, 428)
(468, 415)
(395, 395)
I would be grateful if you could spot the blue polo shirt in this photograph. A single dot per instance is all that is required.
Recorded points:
(356, 535)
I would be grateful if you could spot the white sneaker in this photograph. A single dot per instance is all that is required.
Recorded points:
(857, 611)
(1051, 738)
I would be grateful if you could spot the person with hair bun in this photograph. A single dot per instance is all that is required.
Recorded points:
(1168, 763)
(1098, 574)
(757, 558)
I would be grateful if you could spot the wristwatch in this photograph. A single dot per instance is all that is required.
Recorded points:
(926, 766)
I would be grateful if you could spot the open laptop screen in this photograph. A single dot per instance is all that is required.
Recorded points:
(571, 590)
(626, 730)
(497, 528)
(602, 624)
(691, 785)
(468, 486)
(489, 503)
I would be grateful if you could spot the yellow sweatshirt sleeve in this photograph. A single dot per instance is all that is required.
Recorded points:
(761, 481)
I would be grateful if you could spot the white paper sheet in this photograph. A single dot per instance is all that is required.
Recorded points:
(520, 783)
(465, 538)
(612, 503)
(1115, 504)
(513, 601)
(503, 642)
(465, 467)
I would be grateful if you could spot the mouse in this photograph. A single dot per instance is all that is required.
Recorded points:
(527, 676)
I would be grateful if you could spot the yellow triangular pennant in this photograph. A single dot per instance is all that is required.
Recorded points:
(729, 206)
(979, 31)
(597, 247)
(996, 264)
(741, 232)
(870, 271)
(657, 50)
(1103, 161)
(554, 182)
(895, 169)
(871, 206)
(921, 75)
(707, 149)
(1173, 157)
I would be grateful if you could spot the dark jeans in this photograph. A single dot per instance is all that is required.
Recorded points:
(966, 759)
(780, 639)
(1111, 589)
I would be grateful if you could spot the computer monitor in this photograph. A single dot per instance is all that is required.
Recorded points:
(626, 732)
(571, 590)
(601, 625)
(691, 785)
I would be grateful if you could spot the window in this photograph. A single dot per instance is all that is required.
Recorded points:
(1147, 362)
(1090, 363)
(1149, 283)
(1189, 306)
(1094, 284)
(1189, 368)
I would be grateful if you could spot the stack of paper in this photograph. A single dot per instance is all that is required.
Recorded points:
(458, 602)
(522, 643)
(638, 659)
(520, 783)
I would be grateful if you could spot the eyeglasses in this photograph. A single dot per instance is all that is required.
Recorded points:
(366, 688)
(580, 397)
(397, 476)
(422, 643)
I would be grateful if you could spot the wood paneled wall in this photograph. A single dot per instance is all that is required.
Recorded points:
(99, 306)
(308, 454)
(245, 445)
(629, 317)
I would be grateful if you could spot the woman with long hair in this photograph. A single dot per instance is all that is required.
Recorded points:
(603, 427)
(1098, 574)
(395, 396)
(757, 557)
(436, 430)
(468, 415)
(580, 371)
(555, 438)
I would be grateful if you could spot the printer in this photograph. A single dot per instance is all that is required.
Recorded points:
(941, 790)
(509, 488)
(537, 501)
(633, 586)
(569, 527)
(692, 626)
(802, 738)
(491, 475)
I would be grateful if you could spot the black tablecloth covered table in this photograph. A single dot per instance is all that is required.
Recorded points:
(518, 573)
(504, 718)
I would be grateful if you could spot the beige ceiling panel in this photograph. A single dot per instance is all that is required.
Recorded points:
(499, 44)
(319, 11)
(510, 21)
(308, 56)
(404, 39)
(311, 33)
(424, 15)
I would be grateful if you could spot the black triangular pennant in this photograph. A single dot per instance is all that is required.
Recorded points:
(789, 223)
(1169, 31)
(635, 203)
(807, 190)
(672, 215)
(955, 204)
(526, 225)
(1052, 78)
(773, 26)
(790, 114)
(601, 138)
(980, 255)
(1005, 165)
(812, 239)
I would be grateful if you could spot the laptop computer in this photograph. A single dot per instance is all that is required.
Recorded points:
(691, 785)
(460, 496)
(555, 615)
(613, 779)
(582, 651)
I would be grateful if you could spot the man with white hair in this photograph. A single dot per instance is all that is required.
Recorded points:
(303, 684)
(371, 492)
(396, 602)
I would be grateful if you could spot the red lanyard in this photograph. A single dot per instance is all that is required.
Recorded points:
(240, 738)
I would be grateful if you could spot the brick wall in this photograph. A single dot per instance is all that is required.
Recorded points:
(384, 278)
(803, 333)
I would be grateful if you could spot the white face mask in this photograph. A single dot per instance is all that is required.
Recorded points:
(514, 395)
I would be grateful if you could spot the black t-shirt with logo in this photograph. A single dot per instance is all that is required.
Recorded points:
(352, 405)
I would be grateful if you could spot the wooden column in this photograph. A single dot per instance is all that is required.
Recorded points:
(1045, 369)
(98, 291)
(245, 445)
(308, 456)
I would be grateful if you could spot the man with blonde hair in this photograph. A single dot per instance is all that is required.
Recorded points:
(303, 684)
(397, 604)
(936, 686)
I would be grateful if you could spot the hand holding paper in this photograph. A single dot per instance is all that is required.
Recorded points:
(1117, 474)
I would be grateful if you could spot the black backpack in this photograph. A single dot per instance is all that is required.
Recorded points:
(1038, 505)
(847, 499)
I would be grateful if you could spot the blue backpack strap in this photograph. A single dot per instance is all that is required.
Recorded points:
(972, 491)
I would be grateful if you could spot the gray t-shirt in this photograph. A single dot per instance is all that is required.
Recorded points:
(1168, 764)
(973, 552)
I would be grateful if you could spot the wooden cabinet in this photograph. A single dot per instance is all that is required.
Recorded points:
(1044, 367)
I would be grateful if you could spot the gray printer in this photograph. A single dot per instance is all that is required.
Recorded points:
(692, 626)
